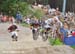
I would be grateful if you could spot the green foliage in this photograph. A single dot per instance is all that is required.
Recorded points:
(12, 6)
(73, 47)
(55, 41)
(31, 1)
(23, 7)
(6, 5)
(25, 25)
(38, 13)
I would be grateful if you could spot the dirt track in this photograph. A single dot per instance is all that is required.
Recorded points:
(26, 45)
(25, 40)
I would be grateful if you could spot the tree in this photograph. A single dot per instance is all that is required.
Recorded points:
(11, 7)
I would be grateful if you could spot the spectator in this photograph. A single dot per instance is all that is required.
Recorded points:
(27, 20)
(1, 16)
(19, 18)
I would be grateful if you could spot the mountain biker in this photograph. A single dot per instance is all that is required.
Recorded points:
(34, 25)
(47, 27)
(13, 30)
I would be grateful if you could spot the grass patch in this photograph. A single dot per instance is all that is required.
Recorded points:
(55, 41)
(25, 24)
(73, 47)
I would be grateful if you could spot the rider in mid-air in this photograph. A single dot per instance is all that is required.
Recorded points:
(13, 29)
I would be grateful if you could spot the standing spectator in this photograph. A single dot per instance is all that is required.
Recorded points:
(1, 16)
(4, 18)
(11, 19)
(27, 20)
(19, 17)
